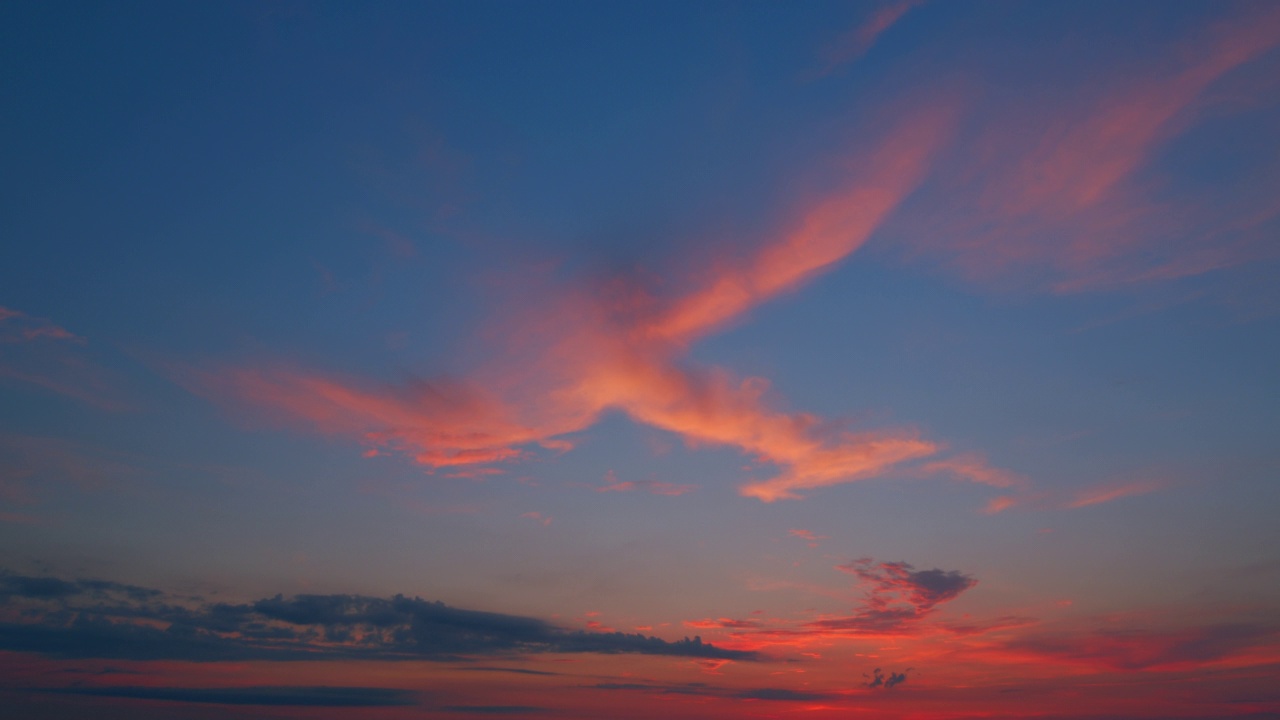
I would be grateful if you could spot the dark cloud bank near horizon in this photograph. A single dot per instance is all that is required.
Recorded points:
(102, 619)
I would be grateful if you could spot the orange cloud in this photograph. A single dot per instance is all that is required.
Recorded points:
(572, 356)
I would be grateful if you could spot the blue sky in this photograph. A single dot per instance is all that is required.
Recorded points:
(655, 318)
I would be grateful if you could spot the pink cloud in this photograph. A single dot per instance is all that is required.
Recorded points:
(612, 484)
(569, 356)
(1060, 193)
(855, 43)
(974, 468)
(25, 328)
(1107, 493)
(537, 517)
(999, 504)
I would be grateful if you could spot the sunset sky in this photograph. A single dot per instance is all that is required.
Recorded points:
(686, 360)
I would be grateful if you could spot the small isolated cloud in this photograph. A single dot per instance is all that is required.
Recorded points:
(810, 538)
(1107, 493)
(19, 327)
(877, 678)
(974, 468)
(653, 487)
(537, 517)
(855, 42)
(897, 596)
(999, 504)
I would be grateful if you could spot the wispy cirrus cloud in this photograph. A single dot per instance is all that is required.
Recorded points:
(1108, 493)
(617, 345)
(1066, 194)
(974, 468)
(857, 40)
(37, 352)
(653, 487)
(807, 535)
(17, 327)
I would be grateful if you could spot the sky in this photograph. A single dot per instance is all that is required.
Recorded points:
(696, 360)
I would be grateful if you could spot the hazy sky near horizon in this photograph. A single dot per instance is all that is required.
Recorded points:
(568, 359)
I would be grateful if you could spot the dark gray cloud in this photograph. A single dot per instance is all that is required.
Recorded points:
(92, 618)
(897, 596)
(877, 679)
(25, 586)
(288, 696)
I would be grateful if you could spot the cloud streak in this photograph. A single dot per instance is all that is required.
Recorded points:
(859, 39)
(1064, 194)
(274, 696)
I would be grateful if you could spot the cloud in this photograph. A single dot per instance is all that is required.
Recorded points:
(974, 468)
(570, 355)
(877, 679)
(1066, 193)
(855, 43)
(1142, 649)
(653, 487)
(283, 696)
(92, 618)
(1107, 493)
(897, 601)
(537, 517)
(19, 327)
(35, 351)
(807, 536)
(897, 597)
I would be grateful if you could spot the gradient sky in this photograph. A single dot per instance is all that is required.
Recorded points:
(694, 360)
